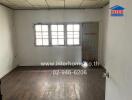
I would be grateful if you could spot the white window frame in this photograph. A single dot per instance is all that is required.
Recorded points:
(57, 32)
(73, 31)
(50, 34)
(41, 35)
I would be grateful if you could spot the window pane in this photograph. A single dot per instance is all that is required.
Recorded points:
(60, 33)
(69, 27)
(44, 27)
(60, 27)
(38, 41)
(38, 33)
(69, 36)
(61, 41)
(39, 36)
(42, 35)
(45, 36)
(76, 41)
(53, 27)
(76, 27)
(76, 33)
(45, 42)
(54, 36)
(45, 33)
(54, 33)
(73, 32)
(61, 36)
(76, 36)
(54, 42)
(37, 27)
(69, 32)
(70, 41)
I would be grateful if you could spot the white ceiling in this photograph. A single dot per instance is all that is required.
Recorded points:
(51, 4)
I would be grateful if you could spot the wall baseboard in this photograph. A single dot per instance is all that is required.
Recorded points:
(2, 78)
(56, 67)
(9, 72)
(0, 91)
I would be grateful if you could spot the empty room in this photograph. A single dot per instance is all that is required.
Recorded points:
(65, 50)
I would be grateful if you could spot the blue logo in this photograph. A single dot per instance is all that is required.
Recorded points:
(117, 10)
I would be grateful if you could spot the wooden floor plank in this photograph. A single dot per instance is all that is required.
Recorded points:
(23, 84)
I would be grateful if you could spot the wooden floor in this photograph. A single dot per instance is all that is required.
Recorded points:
(40, 84)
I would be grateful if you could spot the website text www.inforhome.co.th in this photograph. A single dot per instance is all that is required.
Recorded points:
(71, 71)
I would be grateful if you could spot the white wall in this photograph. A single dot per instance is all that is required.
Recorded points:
(118, 53)
(103, 27)
(7, 55)
(28, 54)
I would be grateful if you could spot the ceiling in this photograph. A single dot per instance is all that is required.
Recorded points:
(53, 4)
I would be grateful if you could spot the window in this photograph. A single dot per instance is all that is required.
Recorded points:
(57, 34)
(42, 35)
(73, 34)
